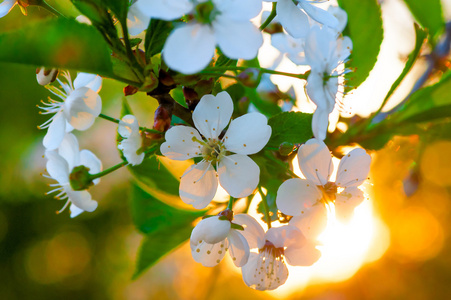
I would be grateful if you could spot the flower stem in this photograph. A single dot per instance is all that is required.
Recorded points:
(265, 206)
(261, 70)
(271, 16)
(109, 170)
(111, 119)
(49, 8)
(229, 206)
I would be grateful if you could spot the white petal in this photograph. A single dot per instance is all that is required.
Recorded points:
(212, 114)
(318, 45)
(179, 143)
(165, 9)
(247, 134)
(92, 81)
(312, 222)
(320, 123)
(239, 10)
(319, 15)
(198, 44)
(304, 256)
(70, 150)
(237, 39)
(285, 236)
(128, 126)
(253, 232)
(248, 270)
(130, 147)
(75, 211)
(82, 107)
(344, 47)
(91, 161)
(137, 21)
(239, 248)
(238, 175)
(82, 199)
(346, 201)
(55, 132)
(6, 6)
(296, 196)
(292, 18)
(353, 168)
(340, 15)
(57, 167)
(315, 161)
(198, 185)
(211, 230)
(209, 255)
(317, 92)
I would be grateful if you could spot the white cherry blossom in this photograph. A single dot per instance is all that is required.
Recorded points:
(225, 23)
(305, 198)
(129, 130)
(137, 22)
(78, 109)
(294, 48)
(214, 236)
(325, 52)
(6, 6)
(60, 164)
(238, 174)
(266, 268)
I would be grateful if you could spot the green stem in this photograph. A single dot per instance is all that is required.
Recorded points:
(49, 8)
(271, 16)
(217, 74)
(108, 171)
(265, 206)
(229, 206)
(111, 119)
(262, 70)
(132, 58)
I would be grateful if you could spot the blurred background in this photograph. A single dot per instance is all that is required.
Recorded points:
(396, 247)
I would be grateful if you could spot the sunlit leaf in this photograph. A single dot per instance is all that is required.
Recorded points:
(291, 127)
(156, 35)
(428, 14)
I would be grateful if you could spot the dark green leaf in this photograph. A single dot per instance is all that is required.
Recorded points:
(118, 7)
(156, 35)
(58, 43)
(265, 106)
(292, 127)
(365, 29)
(135, 42)
(428, 14)
(272, 186)
(178, 96)
(166, 227)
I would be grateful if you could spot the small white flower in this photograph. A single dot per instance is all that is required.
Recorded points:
(325, 53)
(293, 16)
(6, 6)
(214, 236)
(129, 130)
(238, 174)
(59, 165)
(137, 21)
(225, 23)
(80, 106)
(306, 197)
(266, 268)
(294, 48)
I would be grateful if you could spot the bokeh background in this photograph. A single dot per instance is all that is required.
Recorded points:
(402, 252)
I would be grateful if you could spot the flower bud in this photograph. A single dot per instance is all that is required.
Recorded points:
(162, 119)
(80, 179)
(166, 79)
(286, 148)
(130, 90)
(250, 77)
(45, 76)
(150, 83)
(191, 97)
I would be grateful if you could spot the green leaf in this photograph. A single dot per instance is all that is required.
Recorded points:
(292, 127)
(365, 30)
(428, 14)
(58, 43)
(165, 227)
(426, 104)
(156, 35)
(265, 106)
(118, 7)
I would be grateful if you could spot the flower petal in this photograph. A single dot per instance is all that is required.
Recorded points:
(137, 21)
(284, 236)
(247, 134)
(128, 126)
(238, 175)
(212, 114)
(304, 256)
(239, 248)
(295, 196)
(211, 230)
(239, 10)
(237, 40)
(248, 270)
(75, 211)
(167, 10)
(340, 15)
(253, 232)
(345, 203)
(318, 93)
(57, 167)
(312, 222)
(70, 150)
(82, 107)
(91, 161)
(319, 15)
(320, 123)
(56, 132)
(198, 44)
(315, 161)
(92, 81)
(353, 168)
(292, 18)
(82, 199)
(209, 255)
(198, 185)
(6, 6)
(179, 143)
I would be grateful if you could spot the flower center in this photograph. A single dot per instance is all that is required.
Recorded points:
(271, 269)
(329, 191)
(213, 151)
(205, 12)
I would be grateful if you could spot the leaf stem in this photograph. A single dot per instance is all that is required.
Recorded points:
(108, 171)
(265, 206)
(271, 16)
(229, 206)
